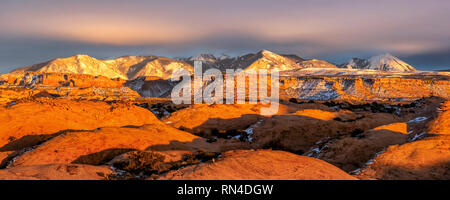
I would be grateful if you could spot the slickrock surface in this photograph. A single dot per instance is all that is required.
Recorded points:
(26, 122)
(352, 151)
(84, 118)
(103, 144)
(427, 158)
(203, 119)
(261, 164)
(56, 172)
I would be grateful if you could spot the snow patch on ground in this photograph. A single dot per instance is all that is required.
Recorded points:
(369, 162)
(8, 165)
(250, 129)
(417, 120)
(417, 136)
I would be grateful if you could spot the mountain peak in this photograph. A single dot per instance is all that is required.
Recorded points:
(384, 62)
(385, 56)
(266, 52)
(388, 62)
(203, 57)
(80, 56)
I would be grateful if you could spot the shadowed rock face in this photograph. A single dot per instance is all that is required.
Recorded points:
(151, 86)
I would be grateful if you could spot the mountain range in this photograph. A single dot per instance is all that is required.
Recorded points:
(132, 67)
(127, 67)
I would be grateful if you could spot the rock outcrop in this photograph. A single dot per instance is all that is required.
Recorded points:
(28, 123)
(103, 144)
(260, 165)
(56, 172)
(427, 158)
(364, 88)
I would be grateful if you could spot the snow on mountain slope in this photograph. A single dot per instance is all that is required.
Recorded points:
(124, 63)
(315, 63)
(270, 61)
(77, 64)
(160, 67)
(384, 62)
(388, 62)
(262, 60)
(355, 63)
(208, 57)
(127, 67)
(131, 67)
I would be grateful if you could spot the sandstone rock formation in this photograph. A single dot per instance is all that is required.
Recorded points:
(427, 158)
(361, 88)
(56, 172)
(260, 164)
(27, 123)
(351, 152)
(103, 144)
(84, 118)
(205, 119)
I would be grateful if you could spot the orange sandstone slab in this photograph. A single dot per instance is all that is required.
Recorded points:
(203, 117)
(53, 115)
(56, 172)
(102, 145)
(261, 165)
(427, 158)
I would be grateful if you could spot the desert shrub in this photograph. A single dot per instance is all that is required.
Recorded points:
(141, 162)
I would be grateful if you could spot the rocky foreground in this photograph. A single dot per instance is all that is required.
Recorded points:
(48, 133)
(332, 123)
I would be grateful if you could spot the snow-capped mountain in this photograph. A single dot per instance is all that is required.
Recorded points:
(262, 60)
(127, 67)
(208, 57)
(270, 61)
(132, 67)
(77, 64)
(159, 67)
(384, 62)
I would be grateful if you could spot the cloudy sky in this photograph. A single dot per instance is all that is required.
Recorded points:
(33, 31)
